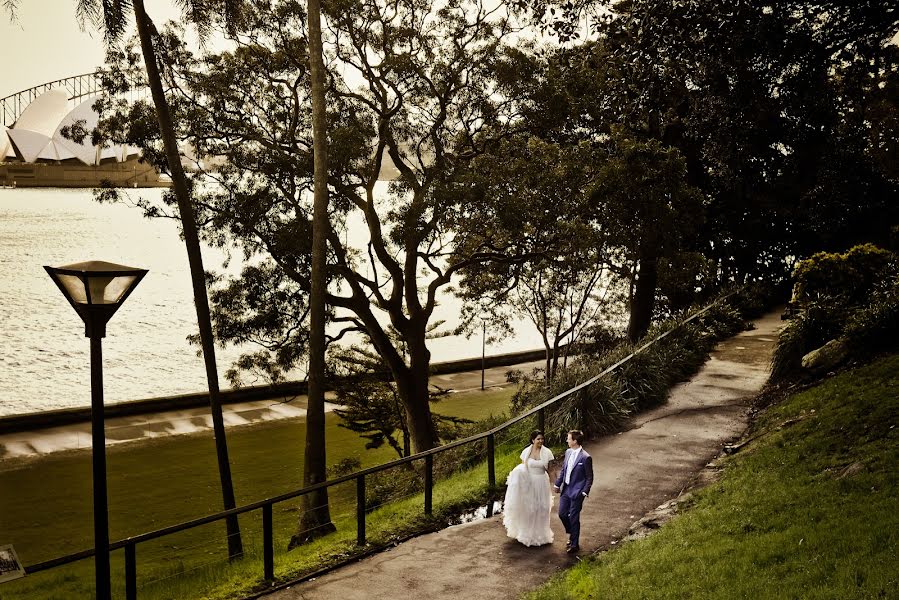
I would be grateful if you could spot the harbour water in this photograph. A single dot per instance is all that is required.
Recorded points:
(44, 356)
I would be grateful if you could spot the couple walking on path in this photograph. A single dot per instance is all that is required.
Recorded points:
(646, 464)
(529, 497)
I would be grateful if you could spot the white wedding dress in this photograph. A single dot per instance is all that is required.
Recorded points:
(529, 500)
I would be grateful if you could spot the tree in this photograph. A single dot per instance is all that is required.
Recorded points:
(754, 96)
(195, 260)
(558, 290)
(425, 104)
(112, 18)
(642, 194)
(316, 519)
(371, 406)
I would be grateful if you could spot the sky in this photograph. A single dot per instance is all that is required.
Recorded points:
(46, 44)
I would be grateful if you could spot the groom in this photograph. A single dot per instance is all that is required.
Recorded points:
(574, 482)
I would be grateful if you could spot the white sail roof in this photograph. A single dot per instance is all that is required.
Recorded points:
(85, 151)
(28, 143)
(44, 113)
(5, 147)
(55, 151)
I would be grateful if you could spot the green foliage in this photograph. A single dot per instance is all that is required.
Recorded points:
(640, 383)
(819, 323)
(642, 196)
(758, 297)
(788, 510)
(848, 277)
(391, 485)
(344, 466)
(874, 327)
(372, 407)
(851, 296)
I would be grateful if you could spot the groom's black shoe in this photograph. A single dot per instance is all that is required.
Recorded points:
(572, 549)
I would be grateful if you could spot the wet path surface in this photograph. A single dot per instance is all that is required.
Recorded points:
(636, 471)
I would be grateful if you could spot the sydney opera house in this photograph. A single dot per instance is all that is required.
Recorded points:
(34, 153)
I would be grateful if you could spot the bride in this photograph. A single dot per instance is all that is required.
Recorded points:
(529, 496)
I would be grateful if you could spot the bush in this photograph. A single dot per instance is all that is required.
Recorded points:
(391, 485)
(819, 323)
(875, 327)
(598, 408)
(848, 278)
(462, 457)
(344, 466)
(852, 296)
(757, 298)
(640, 383)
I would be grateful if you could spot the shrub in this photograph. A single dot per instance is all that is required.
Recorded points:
(599, 408)
(852, 296)
(875, 327)
(462, 457)
(810, 329)
(391, 485)
(755, 299)
(849, 277)
(344, 466)
(640, 383)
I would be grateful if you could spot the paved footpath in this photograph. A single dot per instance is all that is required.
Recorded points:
(635, 471)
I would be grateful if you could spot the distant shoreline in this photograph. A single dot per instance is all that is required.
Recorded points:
(67, 416)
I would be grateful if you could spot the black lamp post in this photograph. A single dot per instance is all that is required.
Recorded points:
(96, 290)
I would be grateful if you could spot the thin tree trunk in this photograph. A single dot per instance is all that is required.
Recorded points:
(197, 273)
(315, 518)
(643, 300)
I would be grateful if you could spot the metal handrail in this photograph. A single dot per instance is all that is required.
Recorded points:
(130, 543)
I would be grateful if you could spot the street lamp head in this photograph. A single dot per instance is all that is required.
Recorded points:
(96, 289)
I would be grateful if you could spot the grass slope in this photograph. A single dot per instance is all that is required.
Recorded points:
(810, 509)
(46, 511)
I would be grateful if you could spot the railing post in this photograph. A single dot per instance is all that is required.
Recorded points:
(130, 572)
(541, 420)
(491, 467)
(491, 472)
(268, 544)
(429, 484)
(360, 510)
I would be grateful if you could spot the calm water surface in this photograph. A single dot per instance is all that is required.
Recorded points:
(44, 356)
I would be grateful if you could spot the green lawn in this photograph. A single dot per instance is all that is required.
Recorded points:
(786, 520)
(45, 505)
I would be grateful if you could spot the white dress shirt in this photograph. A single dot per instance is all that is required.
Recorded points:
(571, 462)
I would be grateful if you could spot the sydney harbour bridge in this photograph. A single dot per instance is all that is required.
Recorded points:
(77, 86)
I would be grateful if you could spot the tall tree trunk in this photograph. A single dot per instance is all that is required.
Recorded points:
(643, 300)
(413, 389)
(315, 517)
(197, 273)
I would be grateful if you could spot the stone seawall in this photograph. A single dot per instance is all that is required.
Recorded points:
(67, 416)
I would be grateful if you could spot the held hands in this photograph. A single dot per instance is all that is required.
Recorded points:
(556, 489)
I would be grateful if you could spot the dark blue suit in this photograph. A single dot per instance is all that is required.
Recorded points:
(573, 493)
